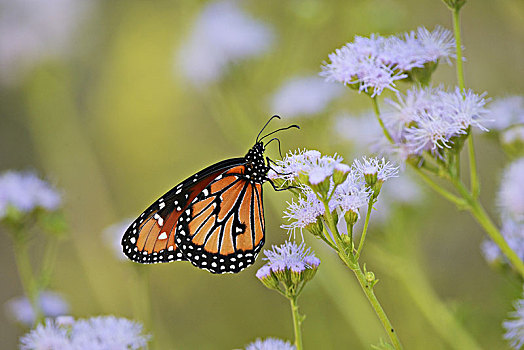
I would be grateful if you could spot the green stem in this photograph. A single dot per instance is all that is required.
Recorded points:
(296, 322)
(458, 42)
(423, 295)
(377, 114)
(438, 188)
(364, 231)
(368, 290)
(48, 262)
(484, 220)
(29, 284)
(474, 180)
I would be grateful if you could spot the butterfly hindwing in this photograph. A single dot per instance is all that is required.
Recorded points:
(223, 228)
(151, 237)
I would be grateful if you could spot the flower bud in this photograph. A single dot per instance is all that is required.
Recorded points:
(316, 228)
(351, 217)
(340, 173)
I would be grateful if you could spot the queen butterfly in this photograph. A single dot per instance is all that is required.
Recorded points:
(214, 218)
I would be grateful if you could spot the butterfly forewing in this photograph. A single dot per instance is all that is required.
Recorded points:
(223, 228)
(151, 237)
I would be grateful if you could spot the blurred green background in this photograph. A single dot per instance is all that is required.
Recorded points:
(113, 125)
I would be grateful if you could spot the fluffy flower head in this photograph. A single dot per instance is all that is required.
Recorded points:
(515, 326)
(290, 256)
(222, 34)
(26, 192)
(270, 344)
(511, 193)
(51, 304)
(376, 63)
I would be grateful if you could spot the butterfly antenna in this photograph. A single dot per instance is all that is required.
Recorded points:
(270, 119)
(281, 129)
(279, 149)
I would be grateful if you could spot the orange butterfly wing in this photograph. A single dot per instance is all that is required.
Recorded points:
(151, 237)
(223, 229)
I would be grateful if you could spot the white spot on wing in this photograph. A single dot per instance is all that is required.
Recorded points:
(163, 235)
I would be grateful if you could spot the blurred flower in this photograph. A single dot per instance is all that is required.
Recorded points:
(46, 336)
(515, 326)
(505, 112)
(511, 193)
(362, 131)
(25, 191)
(35, 30)
(304, 96)
(112, 236)
(270, 344)
(222, 34)
(376, 63)
(401, 191)
(108, 332)
(431, 119)
(20, 309)
(513, 233)
(96, 333)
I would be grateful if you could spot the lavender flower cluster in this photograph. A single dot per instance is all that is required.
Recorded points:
(433, 119)
(511, 206)
(348, 195)
(96, 333)
(373, 64)
(25, 192)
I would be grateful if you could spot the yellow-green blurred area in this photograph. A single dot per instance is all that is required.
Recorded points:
(114, 125)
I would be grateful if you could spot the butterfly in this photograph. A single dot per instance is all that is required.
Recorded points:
(213, 219)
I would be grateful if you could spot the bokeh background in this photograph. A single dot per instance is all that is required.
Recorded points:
(115, 102)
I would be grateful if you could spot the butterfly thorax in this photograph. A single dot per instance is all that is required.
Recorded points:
(256, 168)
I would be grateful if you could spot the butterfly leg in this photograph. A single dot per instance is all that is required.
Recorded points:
(278, 189)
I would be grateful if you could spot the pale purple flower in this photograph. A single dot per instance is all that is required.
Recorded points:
(222, 34)
(32, 31)
(51, 304)
(416, 48)
(428, 119)
(431, 133)
(381, 167)
(304, 96)
(376, 63)
(290, 256)
(107, 332)
(505, 112)
(303, 211)
(26, 192)
(351, 195)
(270, 344)
(511, 193)
(357, 64)
(515, 326)
(46, 337)
(112, 236)
(305, 161)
